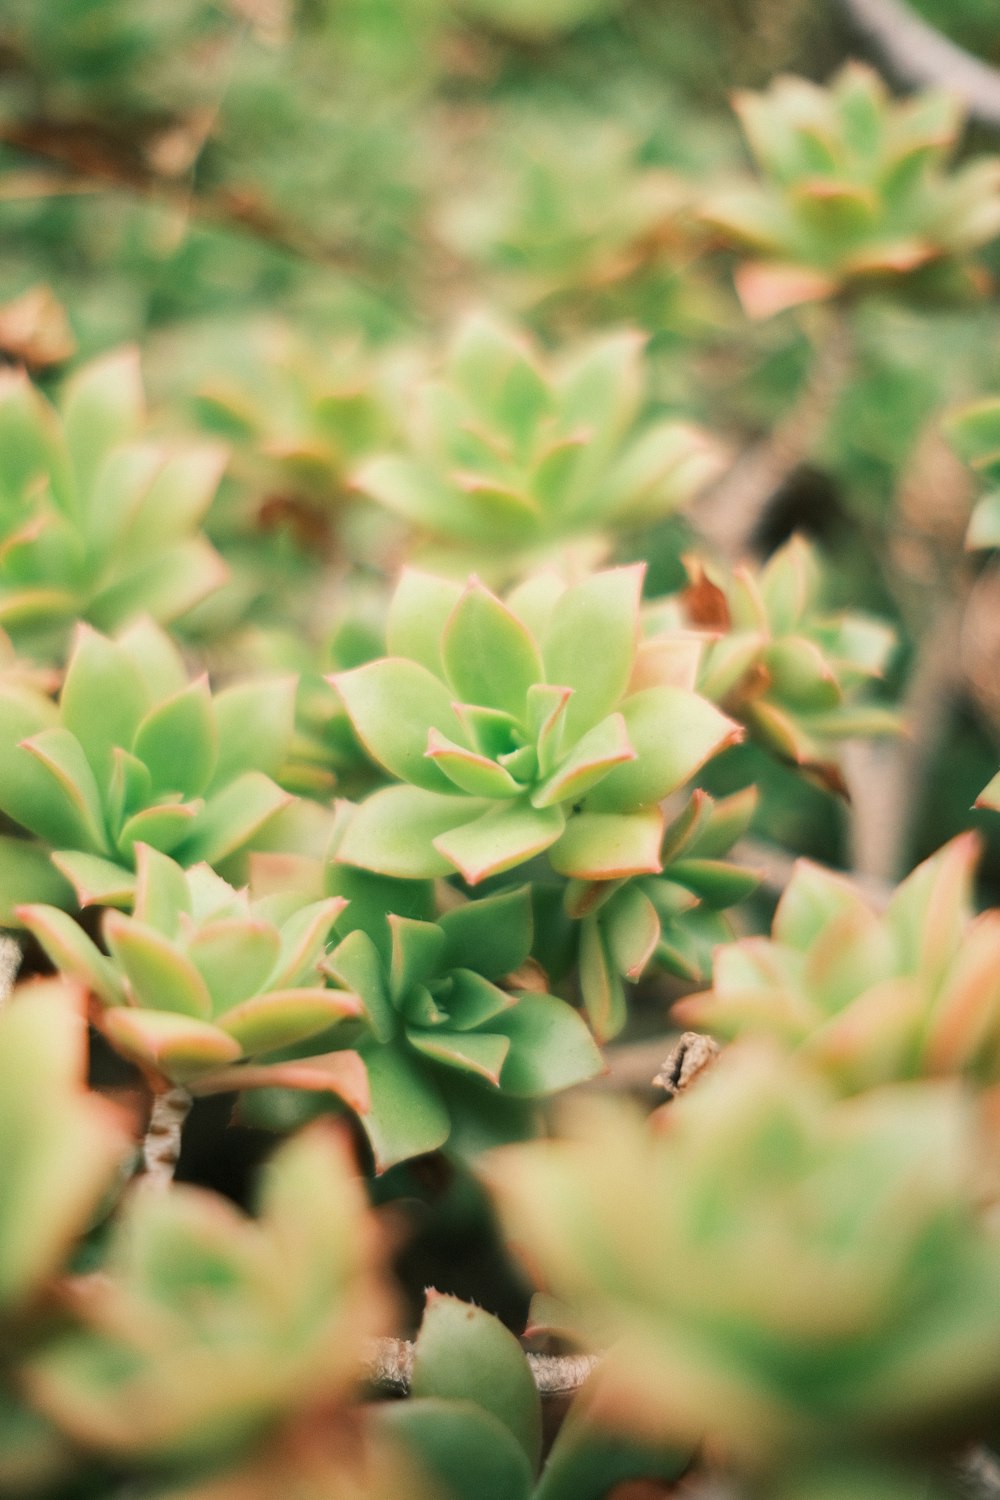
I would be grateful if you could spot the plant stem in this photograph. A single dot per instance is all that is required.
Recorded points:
(10, 962)
(161, 1145)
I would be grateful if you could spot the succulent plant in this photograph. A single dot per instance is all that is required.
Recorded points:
(98, 520)
(135, 753)
(511, 454)
(975, 432)
(533, 23)
(535, 725)
(456, 1042)
(778, 1274)
(205, 1330)
(792, 674)
(62, 1148)
(200, 978)
(855, 190)
(869, 998)
(672, 920)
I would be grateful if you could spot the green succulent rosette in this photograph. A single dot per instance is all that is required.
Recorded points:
(205, 1330)
(869, 997)
(779, 1275)
(793, 674)
(512, 455)
(855, 190)
(199, 979)
(671, 921)
(536, 725)
(134, 752)
(98, 519)
(457, 1047)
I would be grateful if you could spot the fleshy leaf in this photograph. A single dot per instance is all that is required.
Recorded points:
(609, 846)
(489, 656)
(501, 838)
(281, 1018)
(393, 704)
(590, 643)
(673, 733)
(179, 1046)
(550, 1047)
(407, 1116)
(160, 976)
(491, 936)
(477, 1052)
(393, 831)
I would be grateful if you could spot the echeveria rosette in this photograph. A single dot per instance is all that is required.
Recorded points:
(205, 1331)
(670, 921)
(455, 1049)
(539, 725)
(776, 1273)
(793, 674)
(200, 979)
(512, 455)
(868, 997)
(975, 433)
(98, 520)
(136, 752)
(855, 191)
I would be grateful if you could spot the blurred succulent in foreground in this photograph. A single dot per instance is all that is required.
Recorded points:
(792, 674)
(512, 454)
(537, 725)
(206, 1330)
(200, 978)
(672, 920)
(975, 433)
(552, 219)
(136, 753)
(449, 1025)
(97, 520)
(61, 1150)
(855, 191)
(776, 1273)
(869, 998)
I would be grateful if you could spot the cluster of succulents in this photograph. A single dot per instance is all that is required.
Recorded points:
(854, 190)
(512, 455)
(975, 432)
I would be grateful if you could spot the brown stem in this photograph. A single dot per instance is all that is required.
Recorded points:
(10, 962)
(390, 1369)
(161, 1145)
(731, 512)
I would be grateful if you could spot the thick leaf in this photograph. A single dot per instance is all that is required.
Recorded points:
(406, 1117)
(75, 800)
(589, 1462)
(178, 743)
(180, 1047)
(609, 846)
(465, 1353)
(72, 952)
(355, 963)
(161, 978)
(304, 937)
(103, 699)
(161, 891)
(393, 831)
(470, 771)
(418, 614)
(491, 936)
(505, 836)
(234, 958)
(96, 881)
(590, 643)
(472, 1001)
(283, 1018)
(488, 655)
(477, 1052)
(416, 949)
(231, 818)
(339, 1073)
(550, 1047)
(590, 760)
(469, 1452)
(393, 704)
(601, 988)
(632, 930)
(163, 828)
(103, 405)
(255, 723)
(27, 874)
(673, 733)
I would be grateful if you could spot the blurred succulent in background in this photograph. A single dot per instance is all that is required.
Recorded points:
(134, 753)
(778, 1275)
(540, 724)
(791, 673)
(567, 206)
(205, 1330)
(62, 1147)
(537, 24)
(975, 433)
(200, 978)
(855, 192)
(98, 520)
(869, 998)
(670, 921)
(513, 455)
(450, 1022)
